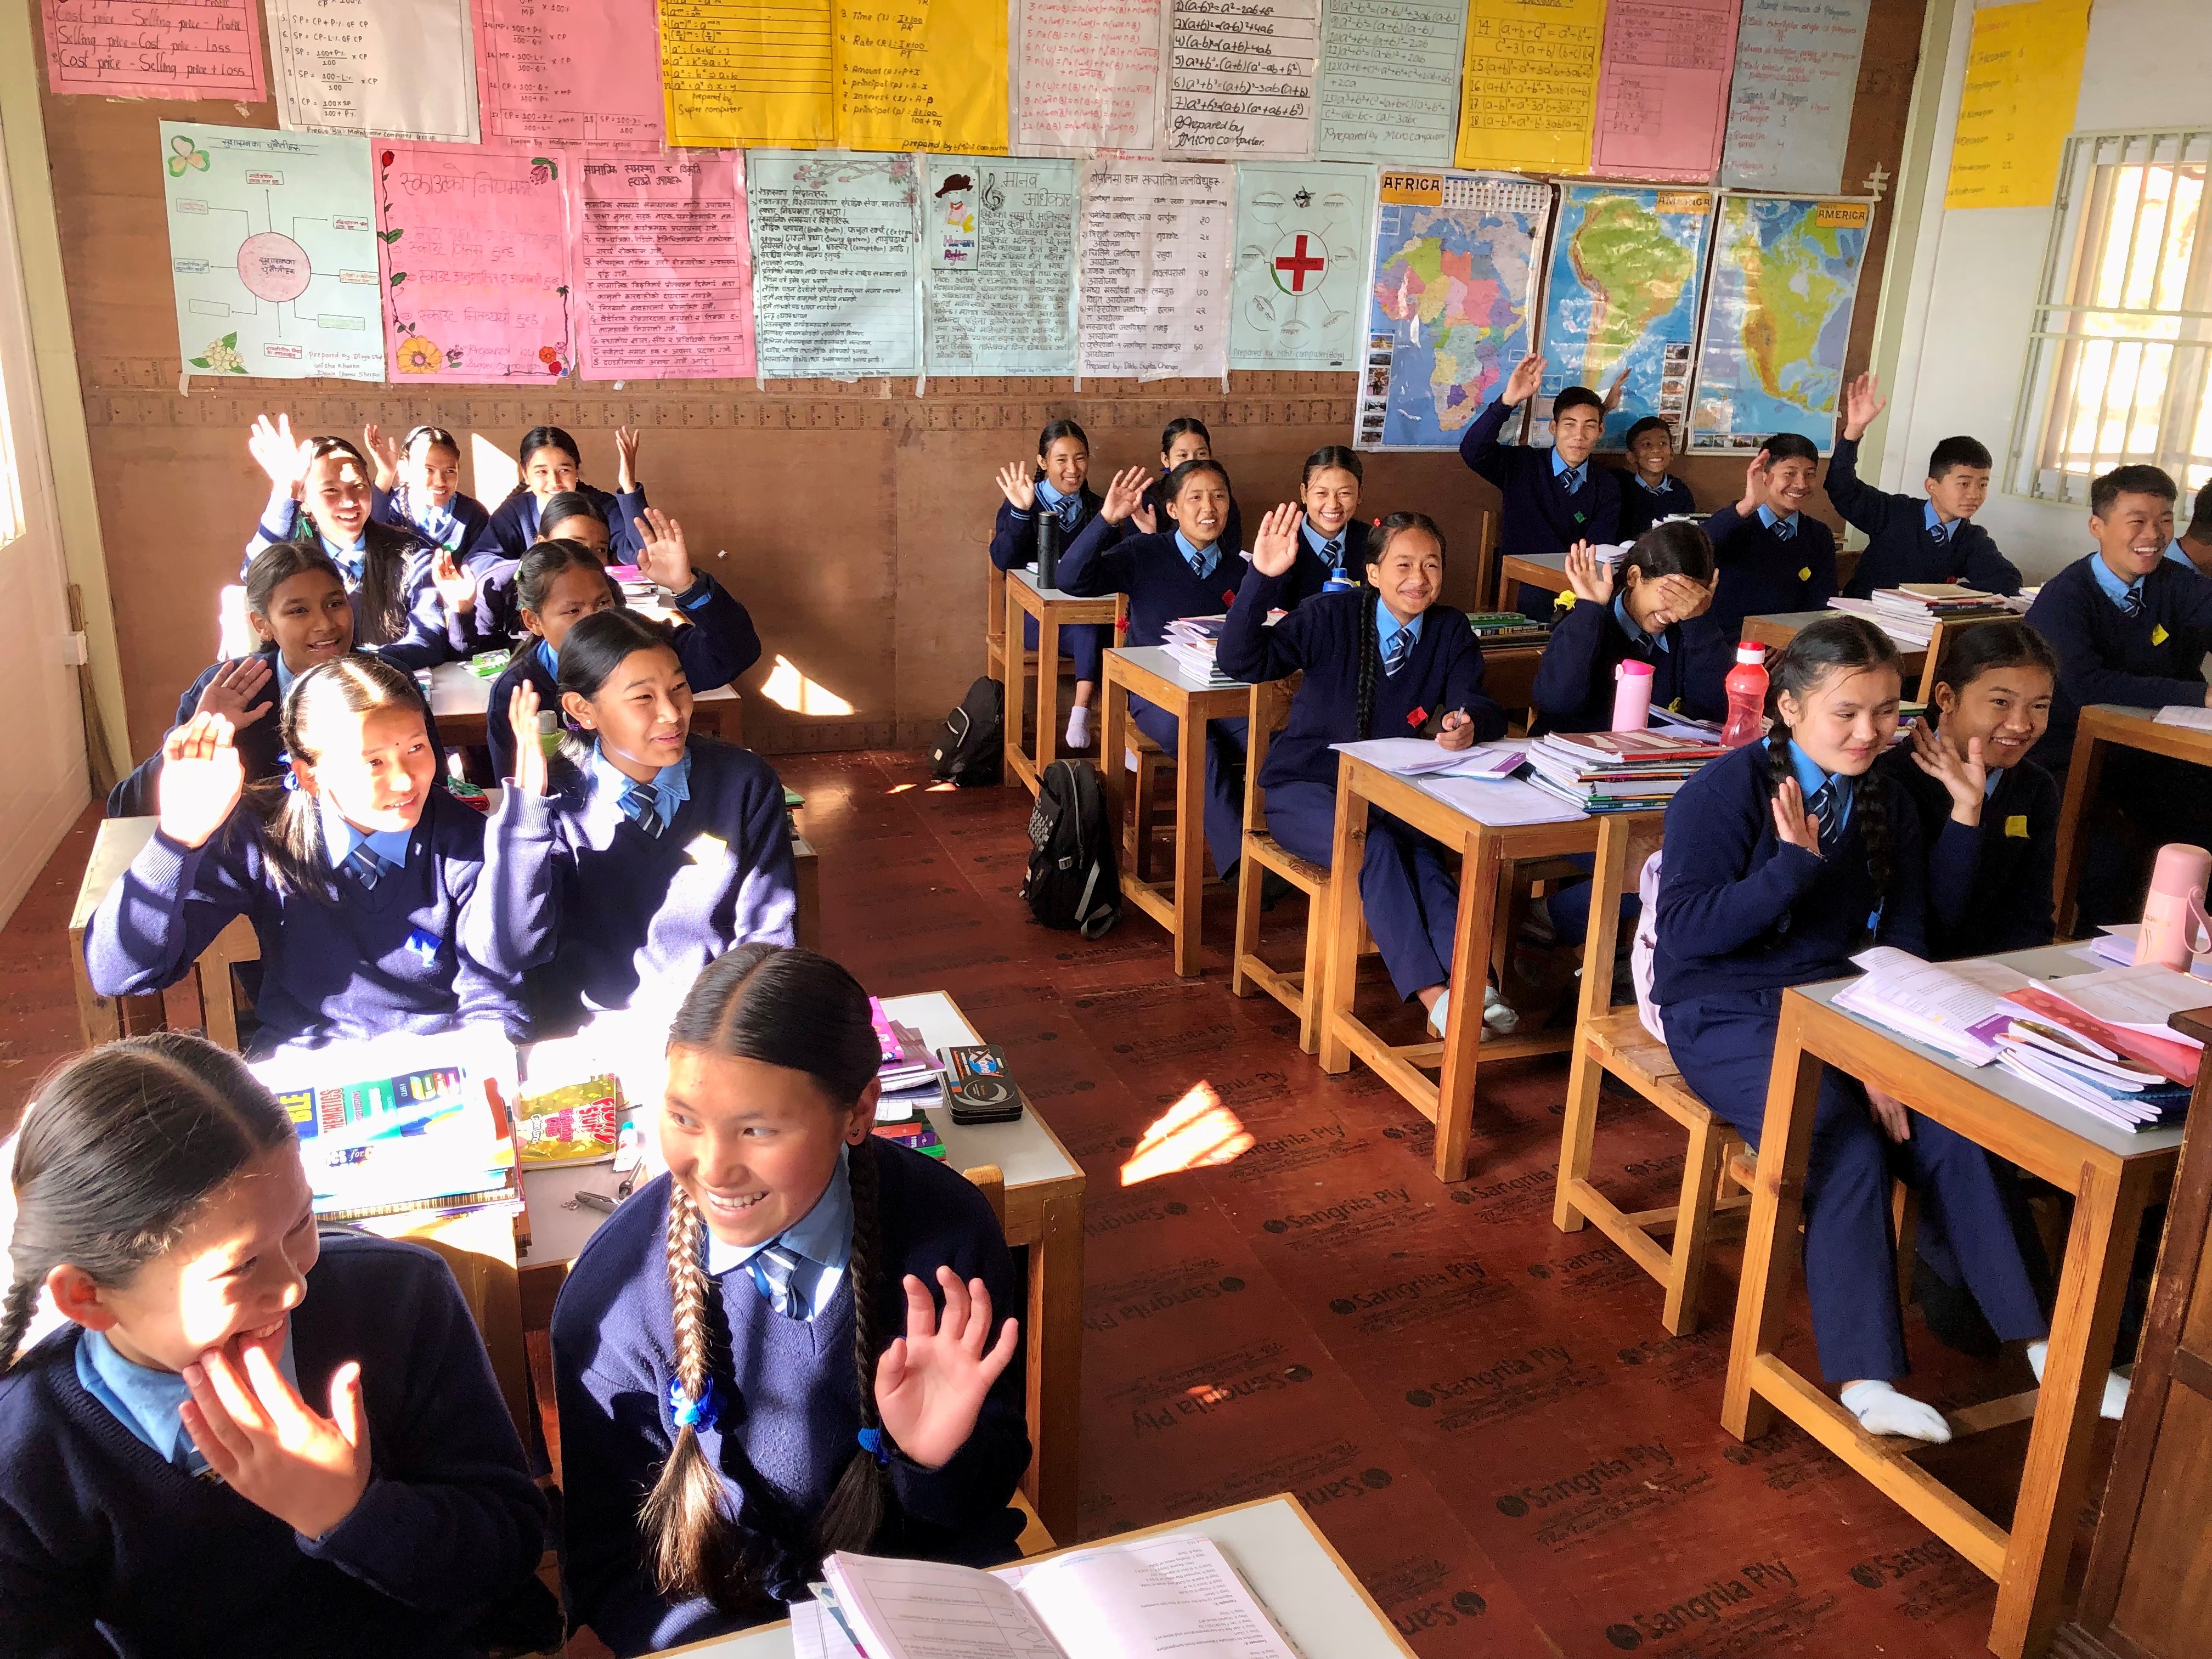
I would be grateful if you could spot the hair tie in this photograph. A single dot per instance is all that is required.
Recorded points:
(871, 1442)
(690, 1411)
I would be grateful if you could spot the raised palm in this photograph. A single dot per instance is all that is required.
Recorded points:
(932, 1382)
(1275, 549)
(662, 556)
(201, 778)
(529, 746)
(1016, 484)
(278, 453)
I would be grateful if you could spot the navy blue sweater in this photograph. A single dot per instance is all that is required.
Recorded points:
(1540, 516)
(512, 526)
(106, 1548)
(1232, 527)
(1152, 571)
(2145, 662)
(390, 957)
(1641, 508)
(599, 914)
(1014, 533)
(1741, 910)
(796, 1401)
(1321, 639)
(1762, 573)
(420, 623)
(1989, 888)
(1900, 548)
(470, 515)
(1575, 685)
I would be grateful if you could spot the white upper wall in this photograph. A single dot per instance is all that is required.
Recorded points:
(1972, 293)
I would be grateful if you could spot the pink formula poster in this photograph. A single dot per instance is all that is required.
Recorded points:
(1662, 89)
(156, 49)
(663, 265)
(476, 263)
(555, 72)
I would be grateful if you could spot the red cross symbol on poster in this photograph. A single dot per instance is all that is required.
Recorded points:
(1299, 263)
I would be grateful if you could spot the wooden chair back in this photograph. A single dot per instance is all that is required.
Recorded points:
(990, 1179)
(1946, 635)
(1271, 712)
(1487, 576)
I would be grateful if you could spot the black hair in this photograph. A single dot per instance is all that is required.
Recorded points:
(2200, 516)
(1386, 531)
(277, 564)
(1845, 644)
(535, 576)
(1181, 426)
(1055, 430)
(1678, 548)
(568, 504)
(386, 551)
(1172, 487)
(290, 819)
(793, 1009)
(1958, 452)
(438, 437)
(1649, 423)
(1790, 446)
(538, 437)
(1576, 396)
(1985, 647)
(2109, 487)
(119, 1150)
(596, 646)
(1332, 455)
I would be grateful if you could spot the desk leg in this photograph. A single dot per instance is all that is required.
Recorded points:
(1113, 754)
(2082, 779)
(2100, 1250)
(1478, 909)
(101, 1019)
(1189, 839)
(1055, 1365)
(1017, 684)
(1341, 949)
(1777, 1205)
(1048, 737)
(1578, 1133)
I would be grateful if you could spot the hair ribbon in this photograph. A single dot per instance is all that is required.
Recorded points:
(699, 1410)
(871, 1442)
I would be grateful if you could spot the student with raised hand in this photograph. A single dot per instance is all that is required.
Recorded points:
(327, 480)
(1334, 536)
(786, 1345)
(552, 465)
(1381, 660)
(1555, 497)
(243, 1438)
(1909, 540)
(1774, 555)
(1653, 606)
(418, 487)
(357, 872)
(1184, 439)
(641, 852)
(1054, 501)
(1649, 492)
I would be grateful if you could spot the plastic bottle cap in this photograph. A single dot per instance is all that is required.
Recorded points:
(1642, 669)
(1751, 651)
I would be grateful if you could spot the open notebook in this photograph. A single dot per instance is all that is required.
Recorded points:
(1177, 1595)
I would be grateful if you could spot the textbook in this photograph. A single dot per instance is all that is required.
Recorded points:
(1192, 641)
(1508, 628)
(1934, 600)
(1956, 1007)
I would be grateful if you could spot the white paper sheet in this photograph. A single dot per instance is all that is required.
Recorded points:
(1407, 756)
(1298, 282)
(1240, 78)
(396, 68)
(834, 288)
(1389, 88)
(1090, 72)
(998, 266)
(1790, 102)
(1500, 804)
(2198, 720)
(1155, 239)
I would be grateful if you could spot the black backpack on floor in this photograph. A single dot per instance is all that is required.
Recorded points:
(1074, 881)
(971, 745)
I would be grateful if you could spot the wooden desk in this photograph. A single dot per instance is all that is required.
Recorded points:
(1509, 677)
(1777, 628)
(1044, 1216)
(461, 700)
(1485, 853)
(1271, 1541)
(2111, 1174)
(2102, 726)
(1149, 672)
(1053, 609)
(1546, 570)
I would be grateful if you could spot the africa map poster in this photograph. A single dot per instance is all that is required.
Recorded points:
(1450, 296)
(1785, 273)
(1299, 259)
(1627, 267)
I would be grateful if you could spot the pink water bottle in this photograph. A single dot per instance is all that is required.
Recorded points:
(2174, 926)
(1746, 695)
(1631, 696)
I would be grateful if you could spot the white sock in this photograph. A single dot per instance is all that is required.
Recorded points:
(1079, 727)
(2115, 1403)
(1881, 1409)
(1497, 1013)
(1440, 1013)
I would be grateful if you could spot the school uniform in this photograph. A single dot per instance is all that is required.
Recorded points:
(1643, 505)
(512, 527)
(610, 894)
(1575, 685)
(1408, 883)
(1907, 541)
(1742, 916)
(1016, 537)
(1549, 506)
(1768, 563)
(790, 1422)
(422, 623)
(456, 527)
(1989, 885)
(1166, 578)
(1232, 527)
(387, 956)
(108, 1544)
(1320, 557)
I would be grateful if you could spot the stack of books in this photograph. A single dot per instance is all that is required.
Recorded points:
(916, 1134)
(1618, 771)
(909, 1070)
(1508, 628)
(1192, 641)
(1909, 613)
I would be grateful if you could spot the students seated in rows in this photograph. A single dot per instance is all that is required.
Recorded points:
(1773, 556)
(1381, 660)
(1782, 860)
(1184, 439)
(356, 872)
(1653, 606)
(244, 1438)
(1909, 540)
(1555, 497)
(418, 487)
(552, 465)
(1048, 506)
(639, 852)
(784, 1346)
(1651, 493)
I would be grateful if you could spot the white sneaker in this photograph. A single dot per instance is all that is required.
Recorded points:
(1079, 727)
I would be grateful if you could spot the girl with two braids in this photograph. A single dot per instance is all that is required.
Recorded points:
(755, 1341)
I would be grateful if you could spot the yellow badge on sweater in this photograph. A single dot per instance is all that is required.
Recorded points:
(2016, 826)
(2158, 634)
(1806, 575)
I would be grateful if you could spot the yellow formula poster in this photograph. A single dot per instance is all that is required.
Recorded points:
(741, 73)
(1528, 95)
(2023, 77)
(928, 75)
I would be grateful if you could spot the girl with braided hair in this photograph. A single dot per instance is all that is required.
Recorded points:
(729, 1344)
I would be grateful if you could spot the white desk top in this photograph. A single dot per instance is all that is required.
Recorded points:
(456, 692)
(1026, 575)
(1156, 659)
(1314, 1598)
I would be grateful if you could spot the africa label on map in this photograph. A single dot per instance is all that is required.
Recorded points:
(1785, 273)
(1456, 258)
(1626, 267)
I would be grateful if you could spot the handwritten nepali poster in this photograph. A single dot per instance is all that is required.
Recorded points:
(475, 266)
(1241, 75)
(1389, 80)
(1154, 245)
(272, 253)
(1528, 93)
(1789, 104)
(1662, 89)
(1297, 279)
(998, 266)
(552, 72)
(663, 266)
(1089, 68)
(156, 49)
(834, 290)
(2015, 107)
(921, 75)
(737, 73)
(396, 68)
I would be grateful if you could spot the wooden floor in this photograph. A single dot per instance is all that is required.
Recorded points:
(1482, 1413)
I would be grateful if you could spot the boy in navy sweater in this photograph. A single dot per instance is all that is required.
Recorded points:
(1553, 497)
(1909, 539)
(1773, 556)
(1651, 493)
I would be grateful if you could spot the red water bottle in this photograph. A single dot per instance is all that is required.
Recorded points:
(1746, 695)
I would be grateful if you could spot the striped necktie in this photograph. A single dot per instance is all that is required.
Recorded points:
(1785, 529)
(1401, 648)
(642, 806)
(1940, 530)
(774, 1269)
(1825, 805)
(367, 866)
(1572, 478)
(2131, 602)
(1332, 553)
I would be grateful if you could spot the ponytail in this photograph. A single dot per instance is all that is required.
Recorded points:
(290, 819)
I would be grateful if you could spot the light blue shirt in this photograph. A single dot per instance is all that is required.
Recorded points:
(284, 678)
(1934, 522)
(1659, 489)
(1066, 506)
(547, 660)
(1990, 783)
(342, 838)
(821, 1238)
(146, 1401)
(1200, 560)
(350, 560)
(1811, 779)
(1770, 518)
(1388, 628)
(670, 788)
(2173, 551)
(1320, 542)
(1628, 627)
(1559, 468)
(2115, 590)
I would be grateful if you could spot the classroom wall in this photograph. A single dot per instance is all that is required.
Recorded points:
(854, 517)
(2149, 65)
